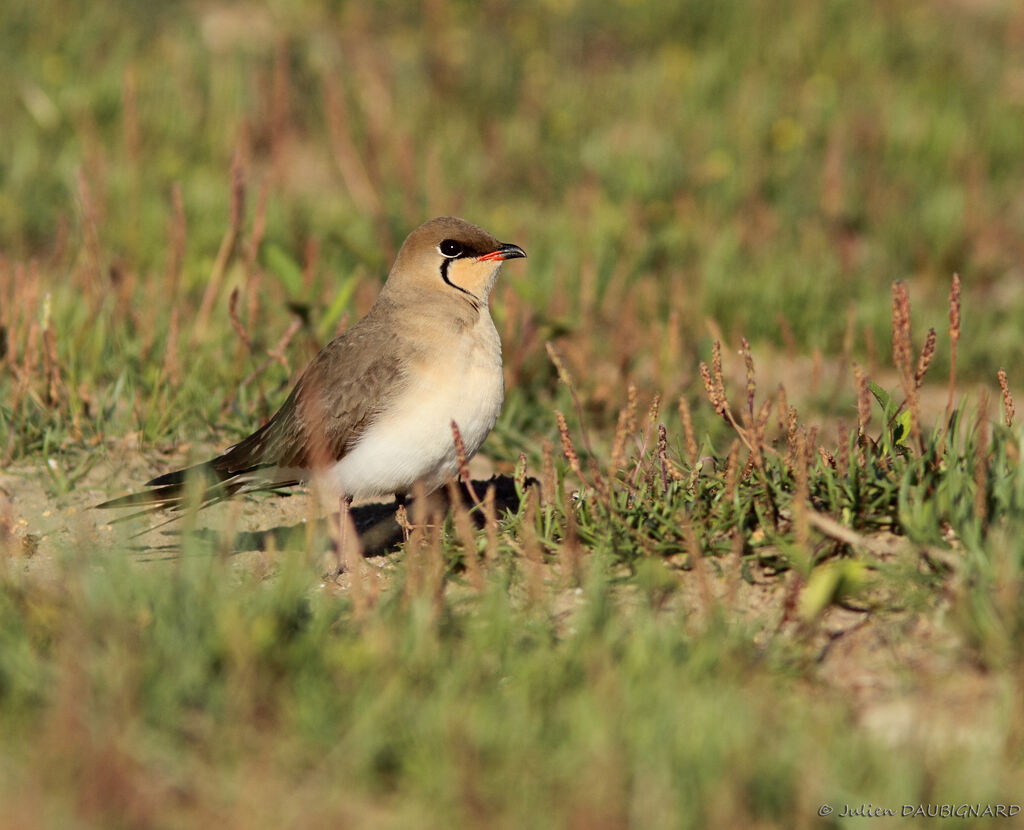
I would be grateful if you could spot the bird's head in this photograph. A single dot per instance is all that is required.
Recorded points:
(450, 255)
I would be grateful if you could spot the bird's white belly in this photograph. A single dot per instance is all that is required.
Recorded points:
(413, 440)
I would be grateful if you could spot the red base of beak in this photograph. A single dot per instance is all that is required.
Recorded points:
(506, 251)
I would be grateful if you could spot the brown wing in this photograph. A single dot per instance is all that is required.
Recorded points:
(343, 389)
(338, 396)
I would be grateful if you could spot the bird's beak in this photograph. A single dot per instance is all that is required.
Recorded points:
(504, 251)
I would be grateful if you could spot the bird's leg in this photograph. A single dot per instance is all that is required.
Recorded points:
(344, 520)
(402, 517)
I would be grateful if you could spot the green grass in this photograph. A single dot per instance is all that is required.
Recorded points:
(729, 625)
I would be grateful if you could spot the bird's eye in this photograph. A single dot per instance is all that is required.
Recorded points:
(450, 248)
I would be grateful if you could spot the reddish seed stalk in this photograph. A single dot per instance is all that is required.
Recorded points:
(901, 329)
(954, 339)
(843, 457)
(549, 481)
(709, 388)
(748, 360)
(716, 374)
(568, 448)
(863, 400)
(925, 359)
(663, 456)
(792, 434)
(1008, 408)
(902, 353)
(689, 433)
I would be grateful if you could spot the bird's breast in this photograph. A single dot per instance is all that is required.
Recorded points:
(456, 376)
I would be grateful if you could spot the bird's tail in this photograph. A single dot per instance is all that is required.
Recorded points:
(201, 485)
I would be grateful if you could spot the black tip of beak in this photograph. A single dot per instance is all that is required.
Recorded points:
(505, 251)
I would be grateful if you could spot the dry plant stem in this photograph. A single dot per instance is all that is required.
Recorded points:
(714, 385)
(902, 351)
(618, 454)
(689, 433)
(51, 365)
(663, 456)
(841, 533)
(802, 492)
(954, 339)
(782, 404)
(709, 388)
(275, 355)
(652, 416)
(463, 462)
(792, 430)
(901, 337)
(344, 546)
(346, 155)
(259, 227)
(235, 322)
(570, 549)
(981, 460)
(548, 476)
(732, 469)
(464, 531)
(843, 459)
(417, 557)
(491, 524)
(693, 547)
(227, 248)
(748, 360)
(566, 378)
(863, 401)
(716, 374)
(436, 565)
(532, 550)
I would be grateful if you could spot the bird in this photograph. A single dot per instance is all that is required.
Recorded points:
(372, 414)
